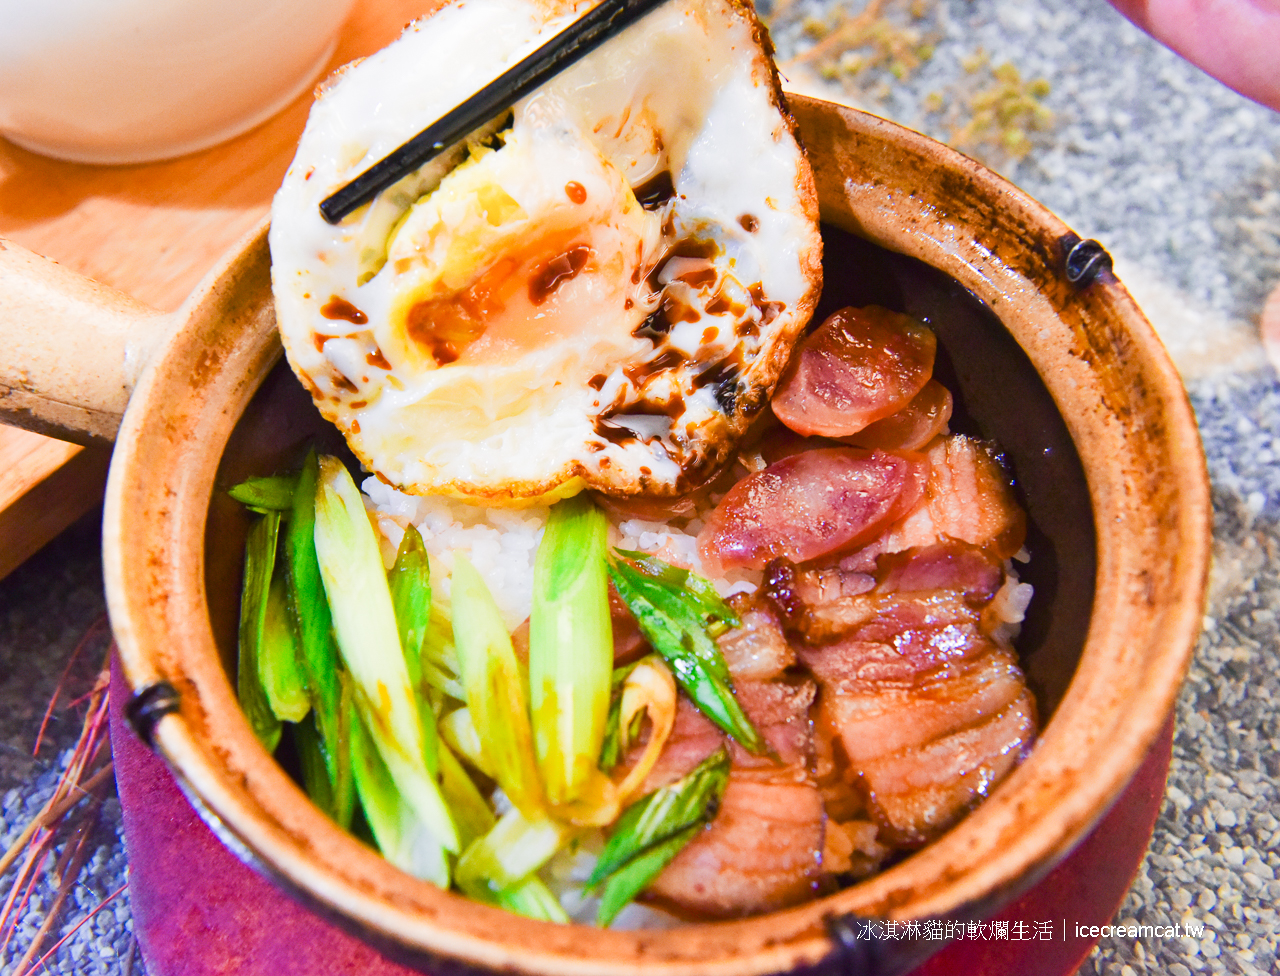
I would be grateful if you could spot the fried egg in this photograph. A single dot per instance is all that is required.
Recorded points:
(599, 289)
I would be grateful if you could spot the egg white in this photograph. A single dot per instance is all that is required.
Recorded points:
(480, 329)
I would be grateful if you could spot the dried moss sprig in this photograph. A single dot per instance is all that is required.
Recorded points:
(1001, 118)
(991, 113)
(886, 39)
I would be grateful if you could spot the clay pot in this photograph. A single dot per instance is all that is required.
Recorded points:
(1076, 371)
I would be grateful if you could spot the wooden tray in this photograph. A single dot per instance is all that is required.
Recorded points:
(151, 231)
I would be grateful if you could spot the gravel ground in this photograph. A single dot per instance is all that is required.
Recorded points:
(1180, 179)
(46, 609)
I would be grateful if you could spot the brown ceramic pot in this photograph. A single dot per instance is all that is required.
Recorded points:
(1123, 607)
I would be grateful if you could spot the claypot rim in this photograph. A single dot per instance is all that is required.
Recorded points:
(195, 389)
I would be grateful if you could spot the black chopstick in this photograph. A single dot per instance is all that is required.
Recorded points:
(579, 39)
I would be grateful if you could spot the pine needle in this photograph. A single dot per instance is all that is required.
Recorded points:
(68, 869)
(58, 945)
(88, 775)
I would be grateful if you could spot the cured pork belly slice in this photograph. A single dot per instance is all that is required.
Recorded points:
(693, 738)
(968, 497)
(758, 650)
(924, 753)
(876, 665)
(764, 848)
(872, 720)
(780, 711)
(628, 643)
(919, 792)
(924, 750)
(930, 712)
(939, 585)
(762, 852)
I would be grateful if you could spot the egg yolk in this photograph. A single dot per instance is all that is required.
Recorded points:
(509, 257)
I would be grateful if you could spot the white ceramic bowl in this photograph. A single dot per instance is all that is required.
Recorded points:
(129, 81)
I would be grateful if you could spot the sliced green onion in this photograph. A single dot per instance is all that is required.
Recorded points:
(410, 585)
(611, 749)
(680, 613)
(314, 622)
(510, 852)
(692, 799)
(470, 810)
(719, 616)
(494, 688)
(649, 690)
(259, 561)
(270, 494)
(459, 731)
(336, 798)
(279, 660)
(404, 839)
(440, 668)
(570, 647)
(624, 884)
(315, 775)
(355, 582)
(675, 629)
(532, 899)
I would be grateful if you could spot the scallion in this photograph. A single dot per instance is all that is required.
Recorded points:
(410, 585)
(259, 562)
(654, 830)
(470, 810)
(532, 899)
(273, 493)
(401, 835)
(369, 641)
(694, 798)
(510, 852)
(495, 689)
(319, 653)
(628, 881)
(676, 628)
(279, 662)
(570, 647)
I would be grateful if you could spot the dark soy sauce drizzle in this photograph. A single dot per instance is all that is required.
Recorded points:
(998, 396)
(655, 191)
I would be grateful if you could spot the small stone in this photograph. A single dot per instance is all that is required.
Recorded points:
(1255, 865)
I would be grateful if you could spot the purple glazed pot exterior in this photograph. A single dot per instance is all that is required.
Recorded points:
(198, 910)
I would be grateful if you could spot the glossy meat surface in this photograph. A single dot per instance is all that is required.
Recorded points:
(811, 504)
(859, 366)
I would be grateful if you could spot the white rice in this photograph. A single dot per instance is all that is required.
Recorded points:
(501, 543)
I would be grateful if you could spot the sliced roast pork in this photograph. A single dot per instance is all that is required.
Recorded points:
(758, 650)
(968, 497)
(929, 709)
(763, 850)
